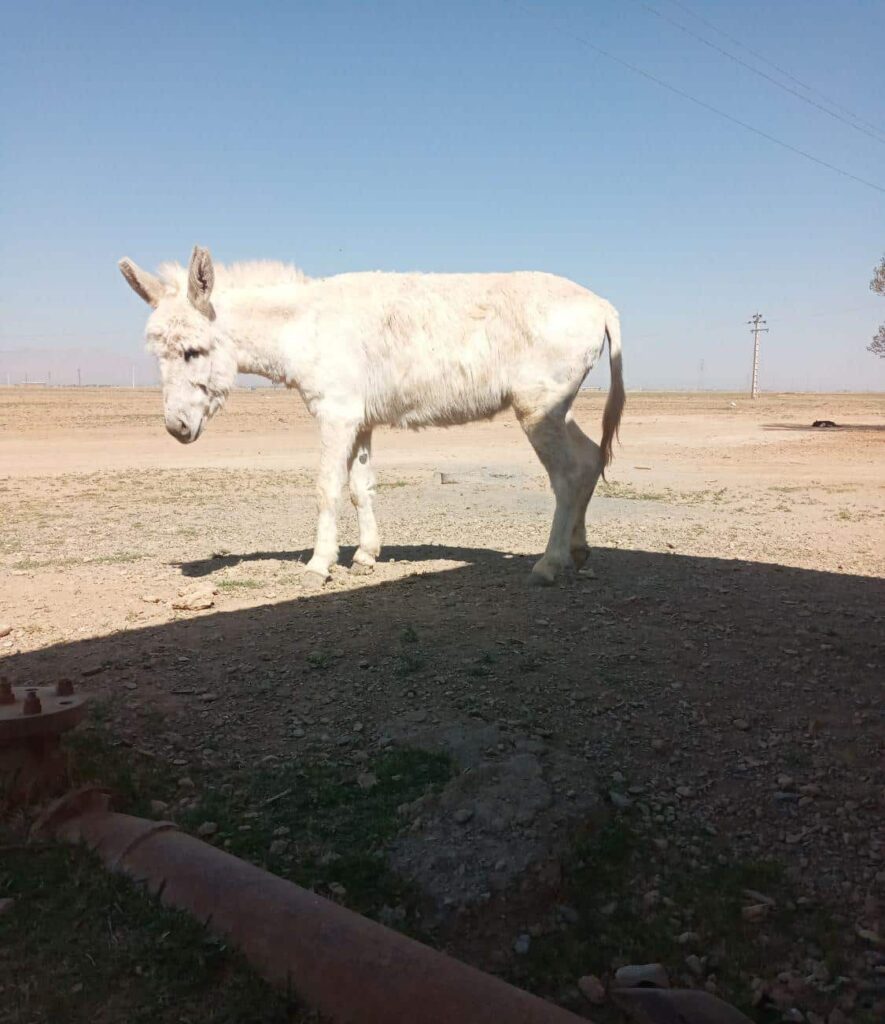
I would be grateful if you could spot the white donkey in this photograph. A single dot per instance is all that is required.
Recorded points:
(401, 350)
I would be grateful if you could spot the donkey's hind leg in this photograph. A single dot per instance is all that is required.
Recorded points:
(550, 438)
(362, 491)
(588, 456)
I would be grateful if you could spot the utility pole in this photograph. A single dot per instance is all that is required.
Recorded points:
(78, 376)
(756, 321)
(133, 376)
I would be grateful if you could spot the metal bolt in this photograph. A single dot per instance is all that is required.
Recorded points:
(64, 688)
(6, 694)
(32, 705)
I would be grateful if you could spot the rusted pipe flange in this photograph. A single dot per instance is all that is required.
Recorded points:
(38, 711)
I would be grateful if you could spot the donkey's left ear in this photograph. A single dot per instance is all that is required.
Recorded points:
(200, 280)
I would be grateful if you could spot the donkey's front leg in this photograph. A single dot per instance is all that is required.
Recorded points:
(336, 441)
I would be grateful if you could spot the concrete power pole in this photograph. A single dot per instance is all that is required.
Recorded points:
(756, 321)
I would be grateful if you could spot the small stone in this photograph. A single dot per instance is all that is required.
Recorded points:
(463, 815)
(522, 944)
(208, 828)
(195, 600)
(151, 598)
(5, 629)
(619, 800)
(283, 830)
(793, 1016)
(186, 783)
(785, 781)
(6, 904)
(367, 780)
(755, 912)
(741, 723)
(686, 792)
(642, 976)
(337, 888)
(658, 745)
(695, 965)
(159, 807)
(567, 913)
(688, 939)
(358, 727)
(592, 989)
(278, 846)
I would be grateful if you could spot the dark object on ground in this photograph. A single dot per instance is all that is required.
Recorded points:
(824, 423)
(675, 1006)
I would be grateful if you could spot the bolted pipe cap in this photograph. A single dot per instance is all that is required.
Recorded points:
(32, 705)
(64, 688)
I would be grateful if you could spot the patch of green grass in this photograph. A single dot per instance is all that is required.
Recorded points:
(630, 493)
(121, 558)
(319, 661)
(410, 658)
(239, 584)
(81, 945)
(316, 824)
(609, 873)
(408, 662)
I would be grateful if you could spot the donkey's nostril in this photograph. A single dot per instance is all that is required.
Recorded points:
(179, 429)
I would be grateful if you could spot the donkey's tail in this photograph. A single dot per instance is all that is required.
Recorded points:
(614, 406)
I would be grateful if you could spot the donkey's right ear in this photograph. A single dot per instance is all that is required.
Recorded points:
(149, 287)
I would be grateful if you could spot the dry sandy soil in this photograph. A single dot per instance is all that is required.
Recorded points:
(721, 670)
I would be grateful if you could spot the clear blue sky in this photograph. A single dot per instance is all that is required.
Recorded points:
(455, 136)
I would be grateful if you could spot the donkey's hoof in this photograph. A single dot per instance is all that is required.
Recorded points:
(579, 557)
(363, 558)
(541, 578)
(315, 575)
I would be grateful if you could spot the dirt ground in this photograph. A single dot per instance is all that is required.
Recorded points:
(720, 672)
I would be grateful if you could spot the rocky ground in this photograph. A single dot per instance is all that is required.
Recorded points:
(712, 691)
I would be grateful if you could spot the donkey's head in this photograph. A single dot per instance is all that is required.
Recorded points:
(197, 362)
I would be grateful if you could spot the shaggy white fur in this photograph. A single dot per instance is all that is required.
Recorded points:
(403, 350)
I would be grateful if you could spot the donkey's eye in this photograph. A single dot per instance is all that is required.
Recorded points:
(191, 353)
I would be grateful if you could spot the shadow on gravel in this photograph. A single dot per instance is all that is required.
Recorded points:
(726, 638)
(728, 663)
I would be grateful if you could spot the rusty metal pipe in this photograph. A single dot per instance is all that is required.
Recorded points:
(349, 968)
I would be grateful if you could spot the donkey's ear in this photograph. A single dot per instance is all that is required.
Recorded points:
(150, 288)
(200, 280)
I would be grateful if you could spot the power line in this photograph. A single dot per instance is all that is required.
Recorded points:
(709, 106)
(756, 71)
(777, 67)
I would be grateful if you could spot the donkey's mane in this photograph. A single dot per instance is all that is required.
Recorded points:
(249, 275)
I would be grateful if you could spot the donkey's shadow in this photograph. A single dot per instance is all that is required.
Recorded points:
(397, 553)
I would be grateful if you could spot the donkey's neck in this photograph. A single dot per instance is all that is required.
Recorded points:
(255, 334)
